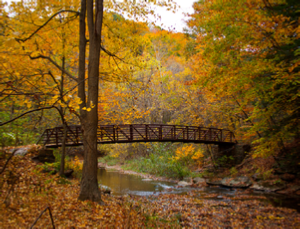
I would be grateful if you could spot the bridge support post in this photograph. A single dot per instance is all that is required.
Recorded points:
(237, 151)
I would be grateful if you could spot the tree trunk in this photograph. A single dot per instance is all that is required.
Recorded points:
(63, 147)
(63, 151)
(89, 189)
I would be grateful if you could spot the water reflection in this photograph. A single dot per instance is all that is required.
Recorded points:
(130, 184)
(121, 184)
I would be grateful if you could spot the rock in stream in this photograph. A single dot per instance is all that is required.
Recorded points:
(237, 182)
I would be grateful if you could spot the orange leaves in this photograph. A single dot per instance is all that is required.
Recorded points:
(186, 153)
(34, 190)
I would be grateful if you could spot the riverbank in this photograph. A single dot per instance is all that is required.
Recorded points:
(201, 197)
(26, 191)
(240, 176)
(120, 169)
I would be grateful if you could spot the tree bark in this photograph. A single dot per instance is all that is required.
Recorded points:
(63, 151)
(63, 147)
(89, 189)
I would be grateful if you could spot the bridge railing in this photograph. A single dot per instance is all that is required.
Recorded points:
(139, 133)
(55, 136)
(155, 132)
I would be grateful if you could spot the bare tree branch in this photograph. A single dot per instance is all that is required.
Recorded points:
(55, 81)
(1, 94)
(4, 98)
(13, 153)
(56, 65)
(49, 209)
(28, 112)
(38, 29)
(109, 53)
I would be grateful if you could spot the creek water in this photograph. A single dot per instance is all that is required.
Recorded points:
(122, 184)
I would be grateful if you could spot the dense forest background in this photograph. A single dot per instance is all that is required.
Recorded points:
(236, 66)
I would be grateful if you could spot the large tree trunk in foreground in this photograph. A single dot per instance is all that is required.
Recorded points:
(89, 189)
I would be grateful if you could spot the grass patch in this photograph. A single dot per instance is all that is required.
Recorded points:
(109, 160)
(158, 165)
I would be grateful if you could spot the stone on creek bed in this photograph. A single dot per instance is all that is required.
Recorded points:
(183, 183)
(22, 151)
(267, 186)
(199, 180)
(214, 181)
(105, 189)
(237, 182)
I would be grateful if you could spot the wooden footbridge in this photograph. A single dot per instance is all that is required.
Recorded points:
(108, 134)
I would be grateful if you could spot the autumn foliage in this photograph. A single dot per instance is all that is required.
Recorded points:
(236, 66)
(247, 66)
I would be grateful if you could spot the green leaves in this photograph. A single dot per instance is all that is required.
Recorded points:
(251, 63)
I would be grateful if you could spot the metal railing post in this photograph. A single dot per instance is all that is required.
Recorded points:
(160, 133)
(221, 136)
(56, 136)
(174, 132)
(114, 133)
(146, 131)
(131, 132)
(187, 133)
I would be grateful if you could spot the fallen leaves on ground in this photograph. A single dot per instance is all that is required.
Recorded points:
(26, 191)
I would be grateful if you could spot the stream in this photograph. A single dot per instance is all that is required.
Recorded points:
(121, 184)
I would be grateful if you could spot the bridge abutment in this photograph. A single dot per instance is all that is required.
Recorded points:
(237, 152)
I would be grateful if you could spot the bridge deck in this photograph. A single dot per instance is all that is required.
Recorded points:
(108, 134)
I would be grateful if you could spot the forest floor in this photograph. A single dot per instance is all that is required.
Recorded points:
(26, 192)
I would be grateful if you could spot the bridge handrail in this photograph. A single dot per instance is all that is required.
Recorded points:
(123, 133)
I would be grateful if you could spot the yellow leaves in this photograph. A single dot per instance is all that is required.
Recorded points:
(75, 164)
(86, 109)
(185, 153)
(10, 43)
(89, 108)
(92, 105)
(77, 100)
(198, 155)
(272, 217)
(35, 54)
(28, 104)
